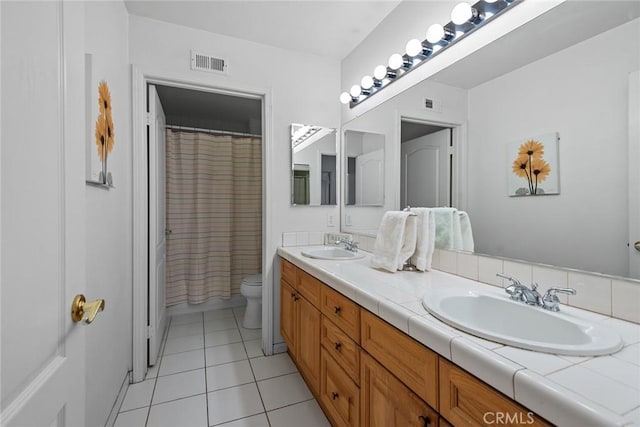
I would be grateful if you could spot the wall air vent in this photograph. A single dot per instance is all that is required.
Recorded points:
(209, 63)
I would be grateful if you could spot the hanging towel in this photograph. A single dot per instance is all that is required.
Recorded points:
(390, 240)
(409, 241)
(425, 243)
(456, 244)
(465, 230)
(444, 219)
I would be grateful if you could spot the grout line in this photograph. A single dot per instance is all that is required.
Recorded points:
(206, 385)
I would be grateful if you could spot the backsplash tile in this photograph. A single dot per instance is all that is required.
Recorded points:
(289, 239)
(548, 277)
(625, 302)
(487, 269)
(302, 238)
(518, 270)
(593, 292)
(316, 237)
(467, 265)
(448, 262)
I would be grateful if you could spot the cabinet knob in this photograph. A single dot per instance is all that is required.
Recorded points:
(334, 395)
(425, 420)
(338, 345)
(336, 310)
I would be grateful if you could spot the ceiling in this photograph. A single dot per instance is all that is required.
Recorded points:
(330, 28)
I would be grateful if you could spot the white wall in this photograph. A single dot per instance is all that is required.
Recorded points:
(162, 49)
(108, 216)
(581, 93)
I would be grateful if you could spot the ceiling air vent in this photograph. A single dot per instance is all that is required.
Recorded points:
(209, 63)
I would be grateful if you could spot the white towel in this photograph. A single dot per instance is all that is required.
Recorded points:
(425, 242)
(465, 230)
(444, 218)
(409, 241)
(390, 240)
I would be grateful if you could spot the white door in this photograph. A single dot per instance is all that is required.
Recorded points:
(157, 225)
(425, 171)
(634, 175)
(42, 214)
(370, 178)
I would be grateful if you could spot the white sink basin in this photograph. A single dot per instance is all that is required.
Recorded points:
(331, 252)
(500, 319)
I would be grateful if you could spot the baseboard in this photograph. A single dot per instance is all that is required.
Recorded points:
(212, 304)
(115, 409)
(279, 348)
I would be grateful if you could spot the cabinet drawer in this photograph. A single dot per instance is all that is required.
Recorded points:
(288, 272)
(341, 311)
(338, 393)
(343, 349)
(414, 364)
(465, 400)
(309, 287)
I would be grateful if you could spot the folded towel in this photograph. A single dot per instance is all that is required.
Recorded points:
(465, 231)
(390, 240)
(444, 219)
(425, 242)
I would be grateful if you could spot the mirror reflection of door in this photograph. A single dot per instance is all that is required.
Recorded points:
(426, 165)
(301, 194)
(328, 180)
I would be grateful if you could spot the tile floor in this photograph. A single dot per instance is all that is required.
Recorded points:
(212, 372)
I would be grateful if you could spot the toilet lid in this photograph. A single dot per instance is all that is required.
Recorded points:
(253, 280)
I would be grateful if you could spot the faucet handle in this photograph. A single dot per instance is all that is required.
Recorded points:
(511, 279)
(551, 292)
(550, 299)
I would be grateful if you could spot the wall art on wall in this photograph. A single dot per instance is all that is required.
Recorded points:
(533, 166)
(100, 127)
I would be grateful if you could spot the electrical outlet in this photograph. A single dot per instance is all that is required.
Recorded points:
(330, 221)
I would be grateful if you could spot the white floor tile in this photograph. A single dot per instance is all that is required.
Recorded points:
(222, 337)
(185, 330)
(180, 385)
(136, 418)
(250, 334)
(229, 375)
(220, 324)
(189, 412)
(291, 416)
(218, 314)
(221, 354)
(284, 390)
(152, 372)
(181, 344)
(259, 420)
(182, 362)
(254, 348)
(272, 366)
(234, 403)
(138, 395)
(238, 312)
(182, 319)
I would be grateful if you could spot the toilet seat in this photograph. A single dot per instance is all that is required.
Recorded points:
(253, 280)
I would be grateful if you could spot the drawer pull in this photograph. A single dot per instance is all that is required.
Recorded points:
(338, 346)
(334, 395)
(425, 420)
(336, 310)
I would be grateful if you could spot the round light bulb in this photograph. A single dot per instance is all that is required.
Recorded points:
(395, 61)
(461, 13)
(366, 82)
(414, 47)
(435, 33)
(490, 1)
(355, 91)
(345, 98)
(380, 72)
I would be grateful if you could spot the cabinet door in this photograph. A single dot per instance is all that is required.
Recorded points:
(386, 402)
(339, 395)
(288, 316)
(308, 345)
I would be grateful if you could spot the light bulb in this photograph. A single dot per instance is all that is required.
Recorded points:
(395, 61)
(414, 47)
(355, 91)
(345, 98)
(490, 1)
(461, 13)
(435, 33)
(366, 82)
(380, 72)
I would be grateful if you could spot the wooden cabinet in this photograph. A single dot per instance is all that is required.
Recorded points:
(388, 402)
(341, 311)
(339, 395)
(467, 401)
(288, 315)
(342, 348)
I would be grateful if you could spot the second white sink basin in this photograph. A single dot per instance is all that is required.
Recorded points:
(331, 252)
(508, 322)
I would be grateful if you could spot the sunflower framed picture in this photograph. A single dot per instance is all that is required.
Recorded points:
(101, 128)
(533, 166)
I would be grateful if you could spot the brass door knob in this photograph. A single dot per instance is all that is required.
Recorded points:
(637, 245)
(85, 311)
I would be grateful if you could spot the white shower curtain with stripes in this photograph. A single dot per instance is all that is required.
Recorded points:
(214, 214)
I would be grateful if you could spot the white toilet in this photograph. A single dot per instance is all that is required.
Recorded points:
(251, 289)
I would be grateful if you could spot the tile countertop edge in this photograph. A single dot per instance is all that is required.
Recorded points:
(560, 404)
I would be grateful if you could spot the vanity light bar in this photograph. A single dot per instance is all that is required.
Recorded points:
(465, 19)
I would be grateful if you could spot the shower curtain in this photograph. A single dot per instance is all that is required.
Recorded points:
(214, 214)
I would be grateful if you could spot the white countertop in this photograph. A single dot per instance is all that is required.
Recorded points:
(565, 390)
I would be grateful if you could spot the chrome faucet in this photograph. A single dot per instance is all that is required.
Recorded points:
(350, 245)
(519, 292)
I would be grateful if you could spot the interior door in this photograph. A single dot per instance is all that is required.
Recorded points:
(425, 171)
(42, 214)
(157, 225)
(370, 178)
(634, 175)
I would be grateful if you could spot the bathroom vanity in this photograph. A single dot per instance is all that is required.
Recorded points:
(372, 355)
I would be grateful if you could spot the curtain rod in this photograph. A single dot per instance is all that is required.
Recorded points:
(211, 131)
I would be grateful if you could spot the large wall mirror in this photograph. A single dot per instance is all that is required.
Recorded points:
(565, 73)
(314, 165)
(364, 168)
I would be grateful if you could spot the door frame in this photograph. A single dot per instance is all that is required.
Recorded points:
(139, 80)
